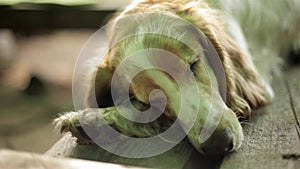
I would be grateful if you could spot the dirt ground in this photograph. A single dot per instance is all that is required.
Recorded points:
(48, 58)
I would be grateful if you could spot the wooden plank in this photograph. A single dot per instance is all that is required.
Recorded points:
(272, 138)
(52, 18)
(293, 85)
(181, 156)
(49, 14)
(20, 160)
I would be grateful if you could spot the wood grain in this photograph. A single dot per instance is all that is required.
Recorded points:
(272, 138)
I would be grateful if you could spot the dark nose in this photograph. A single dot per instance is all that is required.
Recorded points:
(220, 143)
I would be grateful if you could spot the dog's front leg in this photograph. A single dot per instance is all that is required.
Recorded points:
(91, 125)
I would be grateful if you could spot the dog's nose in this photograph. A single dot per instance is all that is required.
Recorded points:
(220, 143)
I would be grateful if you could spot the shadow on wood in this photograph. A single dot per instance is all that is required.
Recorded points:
(181, 156)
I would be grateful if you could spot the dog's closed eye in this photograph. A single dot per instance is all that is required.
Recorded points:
(194, 65)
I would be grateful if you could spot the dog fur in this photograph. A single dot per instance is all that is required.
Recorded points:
(250, 36)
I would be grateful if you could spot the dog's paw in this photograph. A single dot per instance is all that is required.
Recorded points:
(103, 125)
(77, 122)
(67, 122)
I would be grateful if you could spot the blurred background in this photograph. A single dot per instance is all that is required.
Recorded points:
(39, 43)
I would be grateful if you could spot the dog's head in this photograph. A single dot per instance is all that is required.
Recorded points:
(208, 94)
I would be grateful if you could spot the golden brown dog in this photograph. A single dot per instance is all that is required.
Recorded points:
(244, 88)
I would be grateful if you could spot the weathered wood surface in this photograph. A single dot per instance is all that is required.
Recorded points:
(272, 137)
(181, 156)
(21, 160)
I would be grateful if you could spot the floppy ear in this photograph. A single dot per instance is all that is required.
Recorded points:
(243, 84)
(247, 84)
(100, 88)
(244, 89)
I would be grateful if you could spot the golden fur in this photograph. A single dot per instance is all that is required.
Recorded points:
(245, 90)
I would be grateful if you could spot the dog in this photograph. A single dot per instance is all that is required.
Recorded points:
(250, 37)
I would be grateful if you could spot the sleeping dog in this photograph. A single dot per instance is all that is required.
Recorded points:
(244, 39)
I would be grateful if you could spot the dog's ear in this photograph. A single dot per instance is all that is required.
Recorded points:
(100, 88)
(246, 80)
(243, 84)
